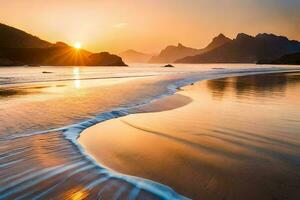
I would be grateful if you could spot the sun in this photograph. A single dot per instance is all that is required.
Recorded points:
(77, 45)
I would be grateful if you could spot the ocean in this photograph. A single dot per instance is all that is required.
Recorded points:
(44, 110)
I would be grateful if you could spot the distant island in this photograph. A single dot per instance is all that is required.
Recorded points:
(18, 48)
(262, 48)
(133, 56)
(173, 53)
(247, 49)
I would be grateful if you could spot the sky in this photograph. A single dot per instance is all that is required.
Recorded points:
(149, 25)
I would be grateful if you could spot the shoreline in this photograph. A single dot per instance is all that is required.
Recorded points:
(122, 114)
(62, 168)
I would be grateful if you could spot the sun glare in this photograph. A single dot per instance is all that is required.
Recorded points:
(77, 45)
(76, 76)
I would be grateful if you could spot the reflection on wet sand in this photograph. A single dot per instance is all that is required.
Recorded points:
(262, 85)
(11, 92)
(237, 139)
(21, 91)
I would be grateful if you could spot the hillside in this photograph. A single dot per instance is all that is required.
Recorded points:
(290, 59)
(19, 48)
(172, 53)
(14, 38)
(57, 55)
(132, 56)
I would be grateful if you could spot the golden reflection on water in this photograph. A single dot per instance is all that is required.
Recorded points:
(77, 84)
(77, 193)
(62, 89)
(76, 76)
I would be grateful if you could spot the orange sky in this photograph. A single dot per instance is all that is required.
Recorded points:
(149, 25)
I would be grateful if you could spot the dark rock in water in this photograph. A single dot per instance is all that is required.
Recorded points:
(168, 65)
(218, 68)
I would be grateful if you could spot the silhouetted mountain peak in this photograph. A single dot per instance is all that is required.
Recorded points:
(60, 44)
(180, 45)
(247, 49)
(217, 41)
(271, 37)
(130, 51)
(11, 37)
(221, 36)
(20, 48)
(133, 56)
(244, 36)
(172, 53)
(265, 35)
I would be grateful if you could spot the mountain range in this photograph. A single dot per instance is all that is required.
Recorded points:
(173, 53)
(19, 48)
(132, 56)
(247, 49)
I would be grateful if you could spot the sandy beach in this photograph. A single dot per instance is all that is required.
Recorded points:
(230, 138)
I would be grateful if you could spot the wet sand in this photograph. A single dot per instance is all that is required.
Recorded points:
(231, 138)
